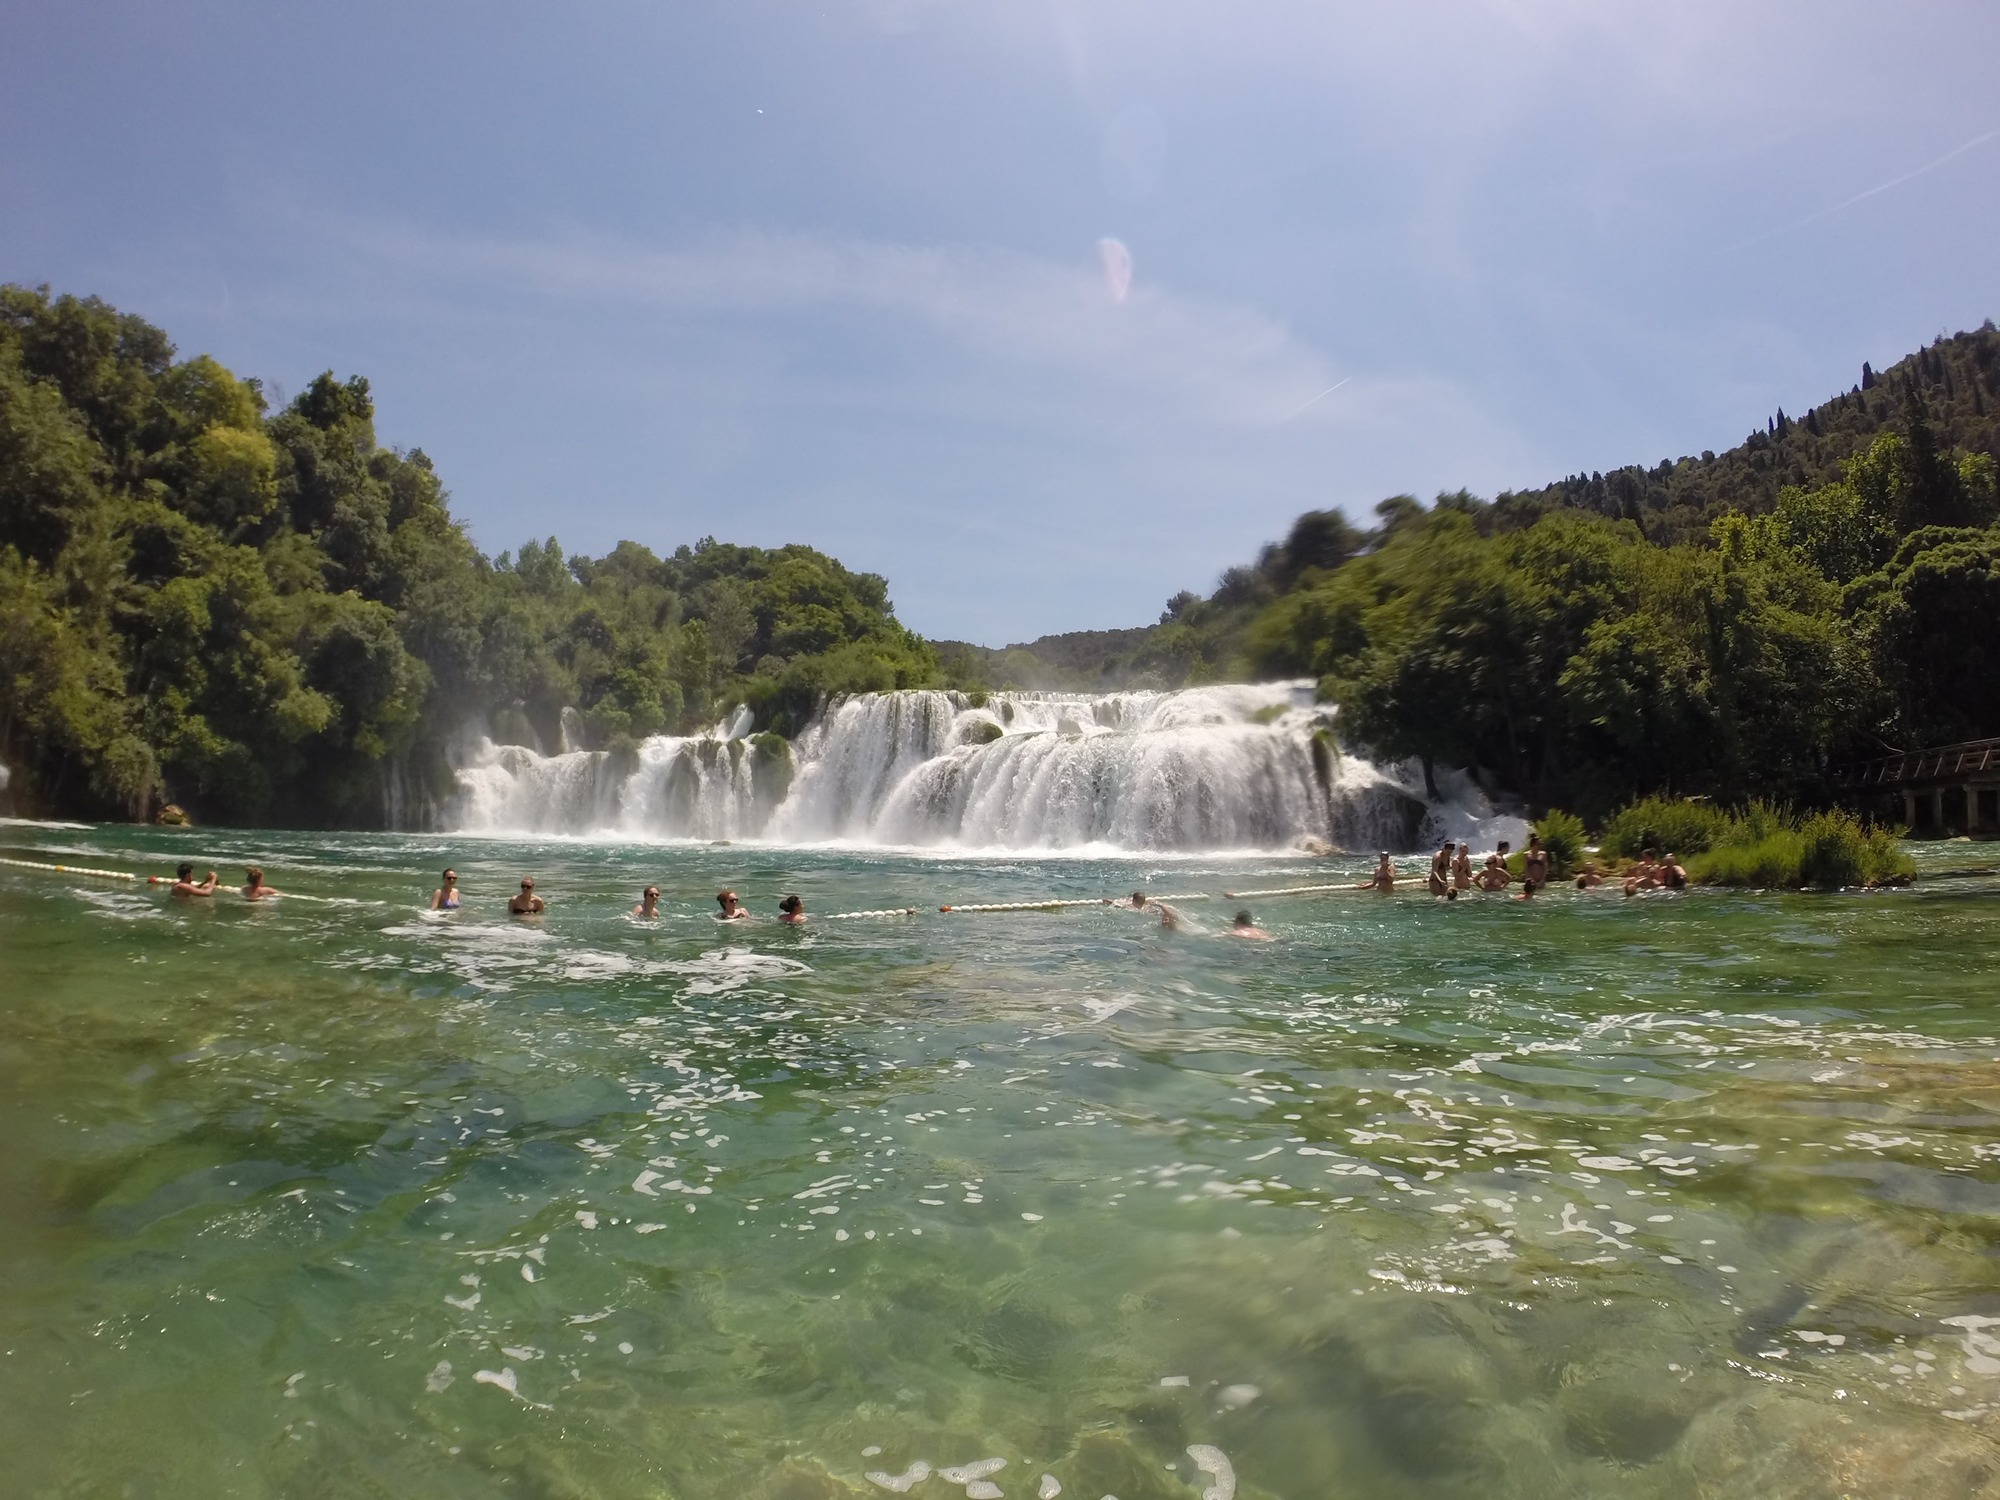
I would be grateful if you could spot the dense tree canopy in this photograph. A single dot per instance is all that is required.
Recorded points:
(270, 617)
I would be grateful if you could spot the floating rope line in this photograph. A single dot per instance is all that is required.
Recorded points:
(1032, 905)
(29, 864)
(1150, 899)
(887, 911)
(1288, 890)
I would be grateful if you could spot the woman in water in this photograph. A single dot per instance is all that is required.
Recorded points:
(649, 903)
(445, 897)
(792, 911)
(732, 909)
(1384, 878)
(254, 888)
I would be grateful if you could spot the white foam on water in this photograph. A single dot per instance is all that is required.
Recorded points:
(1215, 1463)
(979, 1468)
(902, 1483)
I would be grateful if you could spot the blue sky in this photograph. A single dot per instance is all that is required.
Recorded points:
(851, 274)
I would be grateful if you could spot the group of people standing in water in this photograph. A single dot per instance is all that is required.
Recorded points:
(1451, 872)
(526, 903)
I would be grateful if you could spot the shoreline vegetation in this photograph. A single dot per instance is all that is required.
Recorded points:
(263, 616)
(1759, 845)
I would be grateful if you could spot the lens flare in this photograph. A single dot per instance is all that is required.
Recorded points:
(1117, 261)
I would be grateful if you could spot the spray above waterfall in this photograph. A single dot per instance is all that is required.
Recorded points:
(1234, 767)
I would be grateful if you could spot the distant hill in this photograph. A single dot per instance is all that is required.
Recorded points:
(1677, 499)
(1674, 501)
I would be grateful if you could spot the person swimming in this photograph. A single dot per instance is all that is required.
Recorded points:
(792, 911)
(527, 904)
(732, 909)
(649, 903)
(1589, 878)
(1384, 878)
(1528, 889)
(185, 884)
(1245, 927)
(254, 888)
(445, 897)
(1672, 874)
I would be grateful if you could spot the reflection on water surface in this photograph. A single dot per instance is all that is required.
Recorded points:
(1682, 1196)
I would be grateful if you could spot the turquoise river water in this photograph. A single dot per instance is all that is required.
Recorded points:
(1687, 1195)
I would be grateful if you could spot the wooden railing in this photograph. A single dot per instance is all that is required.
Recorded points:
(1972, 758)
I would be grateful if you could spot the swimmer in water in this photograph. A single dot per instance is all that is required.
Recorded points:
(445, 897)
(1644, 876)
(1440, 879)
(732, 909)
(254, 888)
(792, 912)
(527, 904)
(1461, 868)
(1495, 877)
(1528, 889)
(1245, 927)
(1588, 878)
(1384, 878)
(1672, 875)
(184, 883)
(649, 903)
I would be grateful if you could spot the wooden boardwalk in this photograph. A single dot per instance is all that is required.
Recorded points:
(1945, 789)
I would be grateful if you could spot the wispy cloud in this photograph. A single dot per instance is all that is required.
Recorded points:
(1873, 192)
(1204, 360)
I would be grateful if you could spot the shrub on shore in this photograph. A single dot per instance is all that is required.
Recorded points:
(1562, 835)
(1761, 845)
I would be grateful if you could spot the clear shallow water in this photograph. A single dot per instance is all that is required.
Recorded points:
(1681, 1196)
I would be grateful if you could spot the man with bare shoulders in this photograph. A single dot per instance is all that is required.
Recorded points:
(185, 884)
(649, 903)
(1384, 878)
(527, 903)
(1245, 927)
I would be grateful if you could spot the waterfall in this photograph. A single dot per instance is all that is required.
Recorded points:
(1237, 766)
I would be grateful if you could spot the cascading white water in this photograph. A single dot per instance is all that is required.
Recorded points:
(1209, 768)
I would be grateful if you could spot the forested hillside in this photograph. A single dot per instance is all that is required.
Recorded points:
(1728, 626)
(268, 617)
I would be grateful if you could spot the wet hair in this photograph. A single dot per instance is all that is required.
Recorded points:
(1528, 887)
(651, 890)
(723, 898)
(1452, 894)
(1138, 898)
(449, 874)
(185, 872)
(1243, 918)
(792, 905)
(255, 872)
